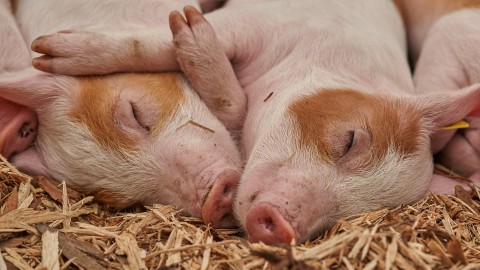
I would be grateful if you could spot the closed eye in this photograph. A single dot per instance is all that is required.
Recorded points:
(135, 113)
(348, 146)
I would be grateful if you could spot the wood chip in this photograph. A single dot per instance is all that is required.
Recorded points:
(50, 250)
(45, 226)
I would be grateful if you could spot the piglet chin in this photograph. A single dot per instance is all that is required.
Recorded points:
(217, 208)
(264, 223)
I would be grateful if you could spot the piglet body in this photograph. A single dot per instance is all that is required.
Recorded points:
(124, 138)
(330, 128)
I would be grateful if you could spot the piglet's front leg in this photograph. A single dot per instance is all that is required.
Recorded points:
(204, 61)
(72, 52)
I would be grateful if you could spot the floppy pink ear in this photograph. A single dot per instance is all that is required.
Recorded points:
(442, 109)
(29, 87)
(29, 161)
(445, 108)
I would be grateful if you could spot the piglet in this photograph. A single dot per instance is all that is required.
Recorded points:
(18, 124)
(124, 138)
(444, 38)
(330, 130)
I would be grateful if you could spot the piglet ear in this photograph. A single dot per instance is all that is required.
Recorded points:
(442, 109)
(29, 161)
(29, 87)
(445, 108)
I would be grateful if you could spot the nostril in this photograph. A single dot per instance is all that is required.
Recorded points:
(268, 223)
(24, 130)
(228, 190)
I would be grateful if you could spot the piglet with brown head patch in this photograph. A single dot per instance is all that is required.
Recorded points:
(124, 138)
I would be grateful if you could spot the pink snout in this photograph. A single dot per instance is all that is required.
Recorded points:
(264, 223)
(18, 127)
(217, 208)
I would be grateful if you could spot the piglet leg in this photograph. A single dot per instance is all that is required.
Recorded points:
(72, 52)
(204, 61)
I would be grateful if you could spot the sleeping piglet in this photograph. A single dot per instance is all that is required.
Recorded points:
(124, 138)
(444, 38)
(331, 129)
(18, 123)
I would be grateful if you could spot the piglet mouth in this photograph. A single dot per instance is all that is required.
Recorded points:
(217, 205)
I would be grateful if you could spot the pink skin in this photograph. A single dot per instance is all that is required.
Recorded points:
(18, 128)
(266, 224)
(285, 194)
(220, 89)
(217, 209)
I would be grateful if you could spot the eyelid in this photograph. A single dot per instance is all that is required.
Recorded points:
(137, 117)
(350, 142)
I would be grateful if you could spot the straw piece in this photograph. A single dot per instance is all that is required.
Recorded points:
(128, 244)
(50, 250)
(3, 265)
(206, 254)
(16, 259)
(10, 204)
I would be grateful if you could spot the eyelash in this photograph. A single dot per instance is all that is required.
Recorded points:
(135, 115)
(351, 135)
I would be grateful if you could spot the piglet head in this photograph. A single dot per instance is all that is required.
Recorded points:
(342, 152)
(131, 138)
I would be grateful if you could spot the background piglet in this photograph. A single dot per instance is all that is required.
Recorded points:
(125, 138)
(18, 124)
(444, 38)
(330, 129)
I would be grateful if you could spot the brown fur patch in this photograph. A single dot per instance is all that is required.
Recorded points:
(97, 100)
(165, 90)
(459, 4)
(112, 199)
(401, 9)
(415, 10)
(322, 116)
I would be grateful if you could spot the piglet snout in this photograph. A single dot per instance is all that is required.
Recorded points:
(217, 208)
(17, 132)
(265, 223)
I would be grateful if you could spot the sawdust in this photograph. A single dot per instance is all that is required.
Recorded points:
(44, 226)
